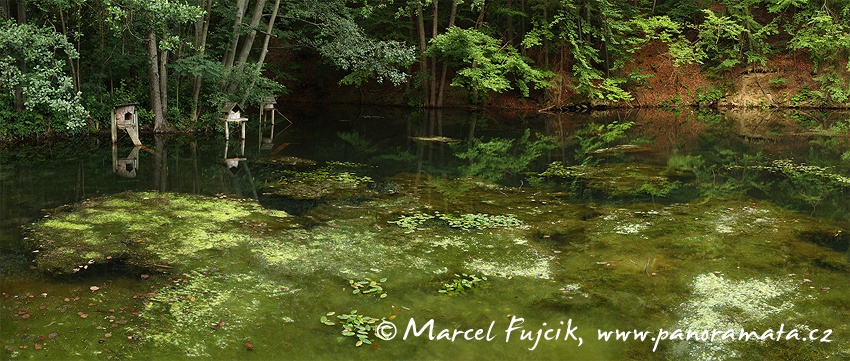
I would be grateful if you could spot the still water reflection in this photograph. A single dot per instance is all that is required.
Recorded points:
(641, 220)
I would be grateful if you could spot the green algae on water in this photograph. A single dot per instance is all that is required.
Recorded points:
(145, 230)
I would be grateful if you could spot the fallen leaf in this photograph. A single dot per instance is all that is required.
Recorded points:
(249, 346)
(94, 288)
(38, 346)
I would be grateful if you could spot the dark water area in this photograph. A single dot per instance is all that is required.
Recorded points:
(638, 220)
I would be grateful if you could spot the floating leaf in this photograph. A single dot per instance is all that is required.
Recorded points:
(383, 295)
(383, 279)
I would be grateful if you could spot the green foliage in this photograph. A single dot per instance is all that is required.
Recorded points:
(485, 64)
(343, 43)
(493, 159)
(155, 16)
(808, 97)
(778, 82)
(727, 41)
(708, 96)
(354, 325)
(462, 283)
(368, 286)
(657, 190)
(833, 87)
(825, 39)
(32, 60)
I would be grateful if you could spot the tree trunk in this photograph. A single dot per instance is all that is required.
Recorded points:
(73, 69)
(265, 50)
(442, 83)
(159, 123)
(201, 31)
(22, 11)
(423, 61)
(230, 55)
(480, 21)
(163, 83)
(4, 9)
(433, 98)
(248, 41)
(510, 33)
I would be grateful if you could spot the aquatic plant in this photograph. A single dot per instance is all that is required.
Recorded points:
(463, 221)
(717, 303)
(368, 286)
(354, 325)
(461, 283)
(319, 182)
(412, 222)
(621, 179)
(479, 221)
(203, 311)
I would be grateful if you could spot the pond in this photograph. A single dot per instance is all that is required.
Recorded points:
(648, 235)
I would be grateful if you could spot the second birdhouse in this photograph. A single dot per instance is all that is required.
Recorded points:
(233, 114)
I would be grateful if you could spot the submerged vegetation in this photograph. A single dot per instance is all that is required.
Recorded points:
(595, 227)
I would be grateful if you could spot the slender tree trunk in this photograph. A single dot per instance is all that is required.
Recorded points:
(480, 21)
(511, 25)
(22, 11)
(433, 98)
(163, 83)
(71, 66)
(248, 41)
(265, 50)
(201, 31)
(445, 69)
(423, 61)
(230, 55)
(4, 9)
(159, 123)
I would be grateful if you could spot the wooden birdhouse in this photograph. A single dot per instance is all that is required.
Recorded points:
(124, 118)
(233, 114)
(269, 102)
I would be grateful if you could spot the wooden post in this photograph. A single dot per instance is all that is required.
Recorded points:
(114, 130)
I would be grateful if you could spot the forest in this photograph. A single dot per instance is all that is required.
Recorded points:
(66, 63)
